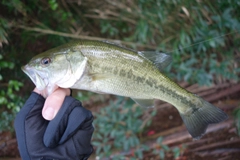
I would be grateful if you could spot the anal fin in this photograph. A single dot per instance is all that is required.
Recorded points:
(146, 103)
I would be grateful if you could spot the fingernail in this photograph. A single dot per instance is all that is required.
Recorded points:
(49, 113)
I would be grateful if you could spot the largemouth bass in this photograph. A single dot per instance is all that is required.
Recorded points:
(104, 67)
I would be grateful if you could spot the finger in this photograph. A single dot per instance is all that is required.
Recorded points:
(54, 102)
(41, 92)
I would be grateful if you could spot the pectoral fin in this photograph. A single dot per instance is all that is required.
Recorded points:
(147, 103)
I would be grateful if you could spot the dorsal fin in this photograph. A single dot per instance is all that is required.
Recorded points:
(159, 59)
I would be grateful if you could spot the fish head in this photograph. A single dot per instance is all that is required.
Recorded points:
(48, 68)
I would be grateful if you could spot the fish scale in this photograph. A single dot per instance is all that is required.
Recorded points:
(147, 74)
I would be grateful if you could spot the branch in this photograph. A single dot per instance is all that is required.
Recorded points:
(47, 31)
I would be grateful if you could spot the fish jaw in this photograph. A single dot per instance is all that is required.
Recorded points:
(36, 78)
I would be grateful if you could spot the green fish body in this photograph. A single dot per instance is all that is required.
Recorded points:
(103, 67)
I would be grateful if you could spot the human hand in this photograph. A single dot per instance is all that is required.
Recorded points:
(53, 102)
(67, 136)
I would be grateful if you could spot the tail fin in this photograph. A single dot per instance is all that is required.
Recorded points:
(200, 118)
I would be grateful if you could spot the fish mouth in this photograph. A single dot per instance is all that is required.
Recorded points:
(36, 78)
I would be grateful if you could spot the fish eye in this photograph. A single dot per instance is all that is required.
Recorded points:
(45, 61)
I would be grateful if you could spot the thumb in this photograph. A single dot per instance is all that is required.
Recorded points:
(54, 102)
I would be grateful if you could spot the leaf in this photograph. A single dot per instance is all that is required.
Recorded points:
(106, 148)
(96, 143)
(126, 145)
(159, 140)
(161, 154)
(176, 152)
(53, 4)
(212, 43)
(139, 153)
(165, 147)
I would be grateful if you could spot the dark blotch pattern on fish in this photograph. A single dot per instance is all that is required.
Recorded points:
(174, 95)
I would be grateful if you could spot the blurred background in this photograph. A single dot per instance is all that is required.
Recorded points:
(202, 36)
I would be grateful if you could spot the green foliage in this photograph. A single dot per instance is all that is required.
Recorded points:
(161, 150)
(3, 33)
(53, 4)
(237, 119)
(118, 127)
(9, 102)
